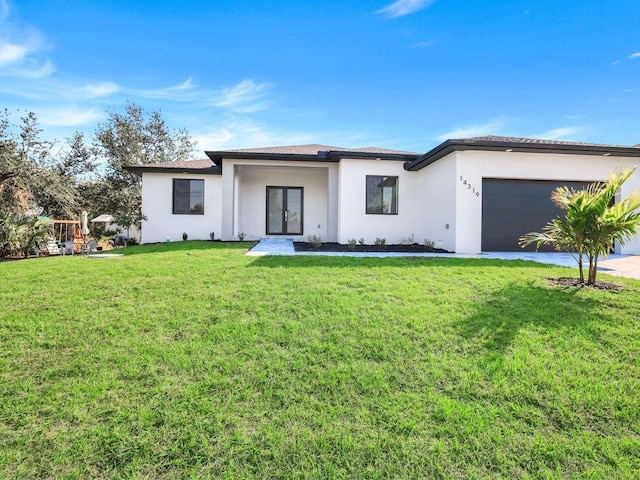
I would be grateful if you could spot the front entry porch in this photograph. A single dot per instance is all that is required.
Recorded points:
(276, 200)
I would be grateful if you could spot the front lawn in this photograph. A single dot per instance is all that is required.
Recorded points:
(192, 360)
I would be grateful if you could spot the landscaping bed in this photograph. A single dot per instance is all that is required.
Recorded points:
(339, 247)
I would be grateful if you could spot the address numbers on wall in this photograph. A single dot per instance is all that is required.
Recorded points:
(469, 187)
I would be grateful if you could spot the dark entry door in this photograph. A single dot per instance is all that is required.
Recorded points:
(284, 210)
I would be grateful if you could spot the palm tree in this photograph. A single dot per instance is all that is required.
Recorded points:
(592, 222)
(21, 233)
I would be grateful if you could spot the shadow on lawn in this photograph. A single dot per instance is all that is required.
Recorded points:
(498, 320)
(189, 245)
(315, 261)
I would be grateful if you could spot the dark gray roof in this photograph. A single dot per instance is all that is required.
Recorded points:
(517, 144)
(311, 153)
(531, 141)
(313, 149)
(413, 161)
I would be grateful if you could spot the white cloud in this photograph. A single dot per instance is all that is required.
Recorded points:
(18, 46)
(245, 97)
(101, 89)
(404, 7)
(32, 69)
(184, 91)
(186, 85)
(10, 53)
(243, 133)
(491, 127)
(563, 133)
(69, 116)
(634, 55)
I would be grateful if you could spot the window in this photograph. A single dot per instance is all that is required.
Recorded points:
(188, 197)
(382, 195)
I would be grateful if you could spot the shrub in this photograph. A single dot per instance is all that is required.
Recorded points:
(212, 236)
(241, 236)
(315, 241)
(184, 236)
(361, 242)
(380, 243)
(408, 240)
(19, 234)
(351, 242)
(130, 242)
(429, 245)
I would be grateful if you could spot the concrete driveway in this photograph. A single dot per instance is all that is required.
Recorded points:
(616, 265)
(621, 266)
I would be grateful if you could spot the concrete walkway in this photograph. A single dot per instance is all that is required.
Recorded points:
(618, 265)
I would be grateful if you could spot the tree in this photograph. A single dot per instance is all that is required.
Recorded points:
(134, 138)
(15, 168)
(591, 223)
(59, 180)
(128, 221)
(21, 233)
(32, 179)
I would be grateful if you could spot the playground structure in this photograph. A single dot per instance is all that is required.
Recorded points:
(69, 230)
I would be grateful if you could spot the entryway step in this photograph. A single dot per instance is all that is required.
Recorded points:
(273, 246)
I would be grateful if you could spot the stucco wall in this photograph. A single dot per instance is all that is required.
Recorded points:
(354, 222)
(473, 166)
(435, 203)
(251, 184)
(442, 202)
(157, 204)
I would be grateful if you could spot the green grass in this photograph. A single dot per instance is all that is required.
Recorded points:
(193, 360)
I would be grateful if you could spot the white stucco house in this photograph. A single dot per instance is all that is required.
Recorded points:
(467, 195)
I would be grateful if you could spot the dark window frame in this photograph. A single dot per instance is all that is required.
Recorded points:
(379, 209)
(285, 191)
(192, 209)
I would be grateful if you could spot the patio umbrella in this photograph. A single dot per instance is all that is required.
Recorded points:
(85, 225)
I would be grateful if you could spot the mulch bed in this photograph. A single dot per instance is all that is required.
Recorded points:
(338, 247)
(574, 282)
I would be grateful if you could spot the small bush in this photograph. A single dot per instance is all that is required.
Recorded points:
(212, 236)
(380, 243)
(21, 234)
(407, 241)
(351, 242)
(130, 242)
(315, 241)
(241, 236)
(361, 242)
(184, 236)
(429, 245)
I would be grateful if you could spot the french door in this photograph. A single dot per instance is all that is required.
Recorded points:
(284, 210)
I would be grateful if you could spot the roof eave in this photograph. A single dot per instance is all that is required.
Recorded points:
(140, 169)
(217, 156)
(404, 157)
(331, 156)
(450, 146)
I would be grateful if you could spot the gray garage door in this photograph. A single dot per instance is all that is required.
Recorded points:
(511, 208)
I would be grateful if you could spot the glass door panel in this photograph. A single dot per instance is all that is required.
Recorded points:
(284, 210)
(293, 214)
(274, 210)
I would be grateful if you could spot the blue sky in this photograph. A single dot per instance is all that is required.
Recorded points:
(403, 75)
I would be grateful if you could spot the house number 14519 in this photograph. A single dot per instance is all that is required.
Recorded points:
(469, 187)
